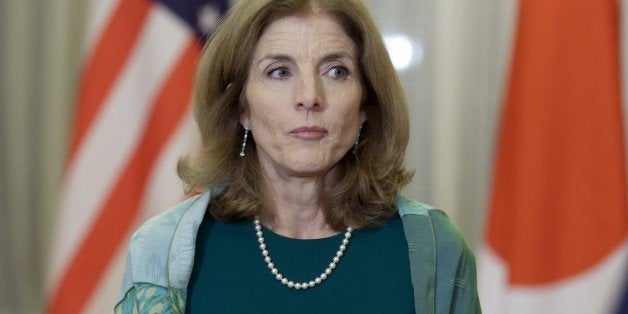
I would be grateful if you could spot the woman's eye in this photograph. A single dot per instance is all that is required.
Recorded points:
(279, 73)
(339, 72)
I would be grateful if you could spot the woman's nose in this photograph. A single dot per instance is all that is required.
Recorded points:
(309, 93)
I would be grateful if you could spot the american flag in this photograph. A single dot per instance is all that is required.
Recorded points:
(132, 122)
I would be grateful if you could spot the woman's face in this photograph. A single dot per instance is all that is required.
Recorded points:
(304, 93)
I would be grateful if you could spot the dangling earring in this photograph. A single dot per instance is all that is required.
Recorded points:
(246, 135)
(357, 141)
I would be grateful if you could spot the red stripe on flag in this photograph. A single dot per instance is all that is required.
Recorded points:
(559, 197)
(105, 63)
(119, 213)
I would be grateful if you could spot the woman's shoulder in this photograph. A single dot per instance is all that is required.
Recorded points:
(407, 206)
(169, 219)
(441, 262)
(152, 242)
(430, 224)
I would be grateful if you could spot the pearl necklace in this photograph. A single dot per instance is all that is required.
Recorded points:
(296, 285)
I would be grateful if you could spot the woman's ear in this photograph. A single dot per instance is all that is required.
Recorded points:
(245, 118)
(245, 121)
(362, 117)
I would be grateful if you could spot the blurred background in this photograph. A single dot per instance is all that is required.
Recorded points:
(453, 58)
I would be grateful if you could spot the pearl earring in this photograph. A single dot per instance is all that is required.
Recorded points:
(246, 135)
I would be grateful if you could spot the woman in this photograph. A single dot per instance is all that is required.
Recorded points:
(304, 129)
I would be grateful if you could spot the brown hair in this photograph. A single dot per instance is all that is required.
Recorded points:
(368, 181)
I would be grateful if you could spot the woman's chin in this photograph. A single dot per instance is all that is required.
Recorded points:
(302, 163)
(309, 169)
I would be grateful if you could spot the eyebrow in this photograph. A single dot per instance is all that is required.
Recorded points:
(287, 58)
(276, 57)
(338, 55)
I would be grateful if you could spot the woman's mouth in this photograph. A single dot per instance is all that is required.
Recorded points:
(309, 132)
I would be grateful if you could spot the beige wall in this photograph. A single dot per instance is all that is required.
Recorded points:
(39, 49)
(454, 97)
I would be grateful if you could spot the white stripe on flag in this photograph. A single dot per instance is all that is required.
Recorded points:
(99, 13)
(165, 189)
(593, 292)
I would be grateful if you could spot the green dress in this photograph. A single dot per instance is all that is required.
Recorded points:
(230, 275)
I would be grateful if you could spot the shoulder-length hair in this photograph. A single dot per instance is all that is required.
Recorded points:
(369, 180)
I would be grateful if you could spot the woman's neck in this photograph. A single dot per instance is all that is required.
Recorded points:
(295, 208)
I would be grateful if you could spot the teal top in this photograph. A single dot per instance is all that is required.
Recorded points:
(161, 257)
(230, 275)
